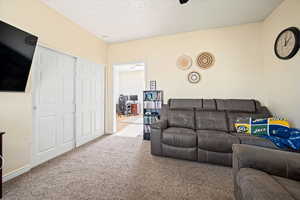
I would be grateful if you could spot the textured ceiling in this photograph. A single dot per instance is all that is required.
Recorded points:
(123, 20)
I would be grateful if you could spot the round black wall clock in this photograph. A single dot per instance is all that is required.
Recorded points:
(287, 43)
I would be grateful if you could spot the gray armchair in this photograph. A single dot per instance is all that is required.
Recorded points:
(265, 174)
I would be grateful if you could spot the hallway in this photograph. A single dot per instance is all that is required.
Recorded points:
(130, 126)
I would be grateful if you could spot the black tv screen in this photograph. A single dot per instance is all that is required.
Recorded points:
(133, 97)
(16, 52)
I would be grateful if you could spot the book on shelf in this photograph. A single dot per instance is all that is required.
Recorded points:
(152, 96)
(147, 129)
(152, 104)
(150, 119)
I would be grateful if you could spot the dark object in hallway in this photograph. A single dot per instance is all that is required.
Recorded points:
(133, 97)
(203, 129)
(265, 174)
(123, 104)
(1, 163)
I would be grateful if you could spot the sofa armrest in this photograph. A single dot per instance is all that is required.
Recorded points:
(161, 124)
(157, 129)
(274, 162)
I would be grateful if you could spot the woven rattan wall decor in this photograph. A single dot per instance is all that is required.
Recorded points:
(194, 77)
(184, 62)
(205, 60)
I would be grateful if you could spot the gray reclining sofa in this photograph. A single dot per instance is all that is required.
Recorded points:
(203, 129)
(265, 174)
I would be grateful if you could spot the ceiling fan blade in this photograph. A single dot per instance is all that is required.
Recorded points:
(183, 1)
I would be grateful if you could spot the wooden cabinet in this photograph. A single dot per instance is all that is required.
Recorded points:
(134, 109)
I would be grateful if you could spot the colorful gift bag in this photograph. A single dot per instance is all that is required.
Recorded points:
(243, 125)
(259, 127)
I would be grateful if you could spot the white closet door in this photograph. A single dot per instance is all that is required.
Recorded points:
(89, 101)
(54, 105)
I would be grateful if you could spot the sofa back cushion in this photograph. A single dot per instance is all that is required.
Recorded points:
(181, 118)
(209, 104)
(211, 120)
(232, 105)
(185, 104)
(235, 105)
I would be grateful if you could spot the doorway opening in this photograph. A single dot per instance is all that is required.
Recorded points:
(129, 84)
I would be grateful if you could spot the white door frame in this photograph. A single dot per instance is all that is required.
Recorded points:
(114, 102)
(34, 77)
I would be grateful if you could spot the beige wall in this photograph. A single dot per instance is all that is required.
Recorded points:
(246, 66)
(236, 73)
(282, 77)
(54, 31)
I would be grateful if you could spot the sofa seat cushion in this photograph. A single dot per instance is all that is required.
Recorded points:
(255, 184)
(293, 187)
(179, 137)
(181, 118)
(216, 141)
(179, 152)
(211, 120)
(212, 157)
(256, 141)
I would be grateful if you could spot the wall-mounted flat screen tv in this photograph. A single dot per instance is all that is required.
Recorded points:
(16, 52)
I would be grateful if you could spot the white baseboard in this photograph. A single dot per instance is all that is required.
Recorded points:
(16, 173)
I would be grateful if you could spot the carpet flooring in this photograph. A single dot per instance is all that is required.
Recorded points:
(117, 168)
